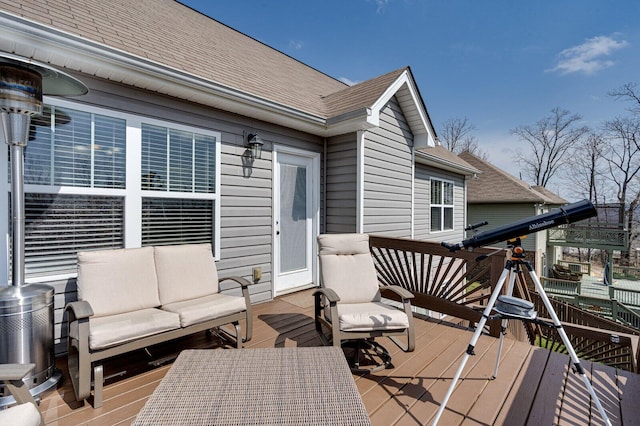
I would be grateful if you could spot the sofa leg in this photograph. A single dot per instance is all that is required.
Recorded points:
(98, 381)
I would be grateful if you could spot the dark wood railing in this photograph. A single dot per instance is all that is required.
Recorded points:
(459, 283)
(454, 284)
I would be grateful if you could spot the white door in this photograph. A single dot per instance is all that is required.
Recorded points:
(296, 200)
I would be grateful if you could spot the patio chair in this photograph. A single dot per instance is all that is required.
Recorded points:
(26, 411)
(349, 303)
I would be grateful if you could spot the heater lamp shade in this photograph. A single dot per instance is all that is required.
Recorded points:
(54, 82)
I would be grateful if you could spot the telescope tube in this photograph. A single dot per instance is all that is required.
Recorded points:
(564, 215)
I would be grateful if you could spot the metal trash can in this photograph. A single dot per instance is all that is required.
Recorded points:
(26, 335)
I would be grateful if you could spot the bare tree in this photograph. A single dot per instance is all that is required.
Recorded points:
(587, 167)
(550, 139)
(628, 92)
(456, 136)
(623, 159)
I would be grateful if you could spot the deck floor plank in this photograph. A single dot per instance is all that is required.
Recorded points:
(533, 385)
(487, 407)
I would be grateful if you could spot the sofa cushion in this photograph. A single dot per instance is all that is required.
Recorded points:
(206, 308)
(368, 316)
(120, 328)
(118, 281)
(22, 414)
(185, 272)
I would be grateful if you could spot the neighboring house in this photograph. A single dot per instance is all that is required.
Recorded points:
(156, 152)
(499, 198)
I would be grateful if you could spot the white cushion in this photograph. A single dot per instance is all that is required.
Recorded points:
(117, 281)
(371, 316)
(185, 272)
(26, 414)
(120, 328)
(347, 267)
(206, 308)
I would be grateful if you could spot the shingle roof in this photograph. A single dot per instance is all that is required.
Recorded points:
(444, 156)
(494, 185)
(174, 35)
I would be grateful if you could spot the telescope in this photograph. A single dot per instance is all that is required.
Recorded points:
(564, 215)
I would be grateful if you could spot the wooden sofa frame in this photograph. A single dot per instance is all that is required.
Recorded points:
(82, 359)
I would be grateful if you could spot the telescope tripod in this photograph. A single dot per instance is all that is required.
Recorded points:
(511, 269)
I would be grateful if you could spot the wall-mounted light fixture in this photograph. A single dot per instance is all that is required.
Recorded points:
(254, 143)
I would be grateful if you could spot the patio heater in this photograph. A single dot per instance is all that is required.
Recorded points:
(26, 311)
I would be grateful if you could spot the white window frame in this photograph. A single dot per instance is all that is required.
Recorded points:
(441, 205)
(133, 192)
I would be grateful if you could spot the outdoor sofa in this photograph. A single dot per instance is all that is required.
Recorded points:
(129, 299)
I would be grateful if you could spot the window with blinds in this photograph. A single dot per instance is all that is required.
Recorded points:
(75, 174)
(176, 221)
(74, 148)
(441, 205)
(177, 161)
(57, 226)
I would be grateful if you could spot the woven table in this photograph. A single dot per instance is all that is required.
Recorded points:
(274, 386)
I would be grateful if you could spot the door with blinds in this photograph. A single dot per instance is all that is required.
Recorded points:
(296, 208)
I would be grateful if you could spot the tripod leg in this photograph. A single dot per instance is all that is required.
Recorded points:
(567, 344)
(472, 343)
(505, 322)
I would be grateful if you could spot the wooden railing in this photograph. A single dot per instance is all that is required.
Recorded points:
(459, 283)
(580, 267)
(593, 337)
(626, 272)
(450, 283)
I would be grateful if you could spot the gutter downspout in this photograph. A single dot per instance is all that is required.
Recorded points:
(323, 222)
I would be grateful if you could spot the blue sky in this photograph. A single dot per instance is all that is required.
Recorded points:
(500, 63)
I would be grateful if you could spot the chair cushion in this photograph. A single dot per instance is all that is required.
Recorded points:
(26, 414)
(370, 316)
(347, 267)
(185, 272)
(118, 281)
(116, 329)
(206, 308)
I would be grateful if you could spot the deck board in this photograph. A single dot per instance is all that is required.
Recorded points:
(533, 385)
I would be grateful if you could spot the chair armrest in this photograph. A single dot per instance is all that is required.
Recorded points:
(244, 283)
(329, 294)
(400, 291)
(15, 371)
(80, 309)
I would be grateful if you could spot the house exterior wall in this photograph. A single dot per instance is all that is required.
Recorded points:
(387, 190)
(246, 238)
(341, 184)
(422, 218)
(504, 214)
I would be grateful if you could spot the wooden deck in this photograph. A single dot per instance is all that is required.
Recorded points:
(533, 386)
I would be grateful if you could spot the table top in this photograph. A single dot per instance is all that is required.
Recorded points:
(272, 386)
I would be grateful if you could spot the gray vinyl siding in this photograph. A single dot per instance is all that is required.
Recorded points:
(422, 205)
(388, 175)
(246, 192)
(341, 184)
(503, 214)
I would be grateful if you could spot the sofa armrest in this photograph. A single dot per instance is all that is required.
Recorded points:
(80, 309)
(78, 353)
(244, 283)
